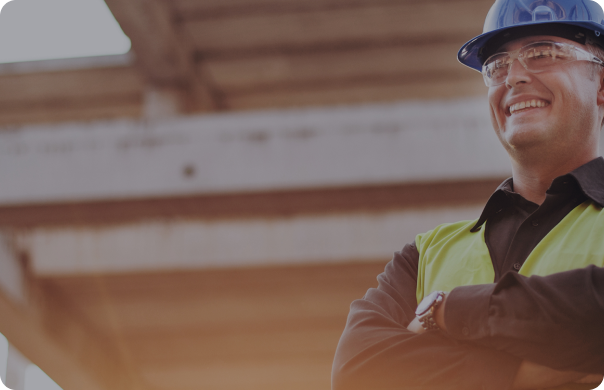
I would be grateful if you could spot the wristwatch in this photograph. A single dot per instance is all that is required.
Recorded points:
(427, 307)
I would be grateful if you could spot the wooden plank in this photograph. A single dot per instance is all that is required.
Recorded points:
(208, 9)
(291, 374)
(70, 95)
(330, 66)
(215, 312)
(423, 21)
(204, 348)
(193, 9)
(258, 328)
(69, 85)
(422, 87)
(68, 110)
(219, 301)
(162, 51)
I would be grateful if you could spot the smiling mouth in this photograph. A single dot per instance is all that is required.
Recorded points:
(523, 106)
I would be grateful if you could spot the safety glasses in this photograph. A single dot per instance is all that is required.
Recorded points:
(535, 57)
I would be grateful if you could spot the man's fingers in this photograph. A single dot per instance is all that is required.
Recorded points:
(416, 327)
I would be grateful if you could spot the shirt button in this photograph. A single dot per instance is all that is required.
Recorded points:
(535, 223)
(465, 331)
(517, 266)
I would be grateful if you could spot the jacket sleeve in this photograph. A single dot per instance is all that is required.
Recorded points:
(376, 351)
(556, 320)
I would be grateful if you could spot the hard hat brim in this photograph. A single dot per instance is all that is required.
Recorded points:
(469, 54)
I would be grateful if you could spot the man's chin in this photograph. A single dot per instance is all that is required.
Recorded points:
(524, 138)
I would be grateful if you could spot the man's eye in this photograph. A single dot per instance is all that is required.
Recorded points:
(540, 54)
(500, 64)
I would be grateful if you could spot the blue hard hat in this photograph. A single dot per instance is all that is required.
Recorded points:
(579, 20)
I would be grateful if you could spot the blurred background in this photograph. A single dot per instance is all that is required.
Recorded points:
(192, 192)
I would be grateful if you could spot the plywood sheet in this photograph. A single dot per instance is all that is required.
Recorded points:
(299, 374)
(256, 328)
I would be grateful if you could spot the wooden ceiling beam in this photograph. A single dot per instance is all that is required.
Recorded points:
(68, 95)
(338, 66)
(445, 86)
(69, 85)
(422, 20)
(164, 52)
(208, 9)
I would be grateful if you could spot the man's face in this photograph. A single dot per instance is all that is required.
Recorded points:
(566, 105)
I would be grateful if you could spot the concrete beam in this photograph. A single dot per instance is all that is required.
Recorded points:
(189, 244)
(250, 152)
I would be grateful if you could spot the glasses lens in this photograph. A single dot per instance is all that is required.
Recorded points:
(540, 56)
(495, 69)
(535, 57)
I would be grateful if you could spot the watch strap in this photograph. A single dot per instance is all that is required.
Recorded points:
(427, 318)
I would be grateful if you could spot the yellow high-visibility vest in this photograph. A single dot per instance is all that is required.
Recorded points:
(452, 256)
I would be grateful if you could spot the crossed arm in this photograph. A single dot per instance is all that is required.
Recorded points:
(377, 350)
(530, 375)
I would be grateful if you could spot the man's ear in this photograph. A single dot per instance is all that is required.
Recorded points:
(600, 98)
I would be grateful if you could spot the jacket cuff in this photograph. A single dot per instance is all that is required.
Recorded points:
(467, 311)
(498, 369)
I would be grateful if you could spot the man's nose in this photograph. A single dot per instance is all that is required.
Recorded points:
(517, 74)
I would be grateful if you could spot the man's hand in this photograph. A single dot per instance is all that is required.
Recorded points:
(416, 327)
(530, 375)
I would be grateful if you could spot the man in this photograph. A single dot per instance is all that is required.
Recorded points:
(514, 299)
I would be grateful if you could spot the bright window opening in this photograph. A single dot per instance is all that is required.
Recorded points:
(32, 30)
(36, 379)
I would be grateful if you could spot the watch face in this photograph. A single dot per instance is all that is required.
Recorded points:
(426, 303)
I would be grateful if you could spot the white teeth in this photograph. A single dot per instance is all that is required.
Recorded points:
(527, 104)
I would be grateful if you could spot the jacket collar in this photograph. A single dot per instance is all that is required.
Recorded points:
(589, 179)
